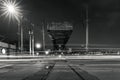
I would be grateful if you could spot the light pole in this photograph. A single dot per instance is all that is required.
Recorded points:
(33, 44)
(30, 41)
(43, 33)
(21, 35)
(11, 9)
(87, 30)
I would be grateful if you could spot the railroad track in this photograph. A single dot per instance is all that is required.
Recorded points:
(76, 72)
(83, 75)
(42, 74)
(48, 69)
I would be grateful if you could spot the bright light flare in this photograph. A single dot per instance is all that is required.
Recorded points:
(4, 51)
(11, 9)
(46, 52)
(38, 45)
(60, 56)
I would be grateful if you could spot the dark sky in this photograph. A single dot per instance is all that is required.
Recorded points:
(104, 20)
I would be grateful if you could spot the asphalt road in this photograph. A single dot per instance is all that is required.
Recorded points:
(103, 69)
(19, 70)
(60, 70)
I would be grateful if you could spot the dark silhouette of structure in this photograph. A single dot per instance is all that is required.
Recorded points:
(59, 34)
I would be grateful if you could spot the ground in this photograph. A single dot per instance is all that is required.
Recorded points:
(60, 69)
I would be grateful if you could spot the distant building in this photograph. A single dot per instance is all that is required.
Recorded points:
(6, 48)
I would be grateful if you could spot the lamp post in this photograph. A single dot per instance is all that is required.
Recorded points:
(87, 29)
(86, 25)
(33, 45)
(30, 41)
(43, 35)
(11, 9)
(20, 34)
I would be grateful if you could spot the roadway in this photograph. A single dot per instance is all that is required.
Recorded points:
(60, 69)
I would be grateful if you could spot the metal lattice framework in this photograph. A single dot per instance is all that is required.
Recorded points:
(59, 34)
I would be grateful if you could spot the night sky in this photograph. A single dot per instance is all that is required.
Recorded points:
(104, 20)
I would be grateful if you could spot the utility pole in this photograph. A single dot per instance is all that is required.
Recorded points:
(33, 44)
(30, 41)
(43, 32)
(87, 29)
(20, 34)
(21, 37)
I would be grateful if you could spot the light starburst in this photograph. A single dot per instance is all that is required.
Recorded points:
(11, 9)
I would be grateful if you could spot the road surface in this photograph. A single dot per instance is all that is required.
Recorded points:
(87, 69)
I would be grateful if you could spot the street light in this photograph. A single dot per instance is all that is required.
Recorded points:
(46, 52)
(38, 45)
(11, 9)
